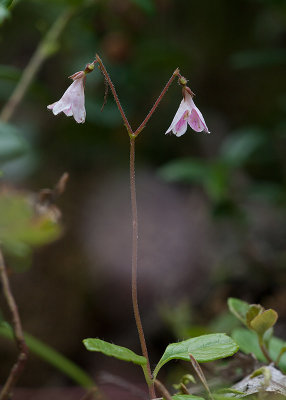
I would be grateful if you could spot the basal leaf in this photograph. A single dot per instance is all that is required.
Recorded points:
(203, 348)
(109, 349)
(239, 308)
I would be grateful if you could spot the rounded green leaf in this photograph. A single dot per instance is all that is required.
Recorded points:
(203, 348)
(262, 322)
(239, 308)
(109, 349)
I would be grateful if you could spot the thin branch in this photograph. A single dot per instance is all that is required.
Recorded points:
(43, 51)
(134, 265)
(107, 78)
(18, 333)
(176, 73)
(162, 390)
(200, 374)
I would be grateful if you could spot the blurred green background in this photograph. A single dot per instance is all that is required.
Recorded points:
(211, 207)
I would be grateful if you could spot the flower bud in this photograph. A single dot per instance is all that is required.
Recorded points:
(183, 81)
(89, 68)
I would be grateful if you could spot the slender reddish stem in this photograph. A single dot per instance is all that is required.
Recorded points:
(107, 77)
(149, 115)
(175, 74)
(134, 264)
(133, 136)
(18, 333)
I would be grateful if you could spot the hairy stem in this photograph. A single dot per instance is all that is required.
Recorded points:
(109, 81)
(18, 333)
(134, 265)
(149, 115)
(43, 51)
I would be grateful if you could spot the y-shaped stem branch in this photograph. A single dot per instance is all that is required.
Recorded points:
(175, 74)
(18, 333)
(134, 265)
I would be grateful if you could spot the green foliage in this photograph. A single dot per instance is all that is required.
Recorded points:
(239, 308)
(213, 176)
(12, 143)
(264, 321)
(186, 397)
(259, 339)
(248, 343)
(112, 350)
(146, 5)
(203, 348)
(239, 146)
(51, 356)
(20, 227)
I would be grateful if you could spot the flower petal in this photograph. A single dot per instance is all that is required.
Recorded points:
(196, 121)
(181, 126)
(180, 112)
(77, 106)
(68, 112)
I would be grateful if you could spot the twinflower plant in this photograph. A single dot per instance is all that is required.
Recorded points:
(202, 348)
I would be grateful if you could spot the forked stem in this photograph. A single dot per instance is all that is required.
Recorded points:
(133, 134)
(134, 265)
(18, 333)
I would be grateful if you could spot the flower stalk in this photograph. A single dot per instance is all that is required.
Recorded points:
(134, 266)
(187, 113)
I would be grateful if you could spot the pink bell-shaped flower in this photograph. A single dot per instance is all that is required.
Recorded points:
(187, 113)
(72, 101)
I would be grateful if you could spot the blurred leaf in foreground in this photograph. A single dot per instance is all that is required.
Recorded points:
(28, 220)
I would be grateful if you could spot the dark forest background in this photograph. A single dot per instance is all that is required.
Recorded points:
(211, 207)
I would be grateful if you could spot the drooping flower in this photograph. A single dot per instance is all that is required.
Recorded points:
(72, 101)
(187, 113)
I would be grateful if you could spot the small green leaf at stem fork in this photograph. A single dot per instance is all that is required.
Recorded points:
(203, 348)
